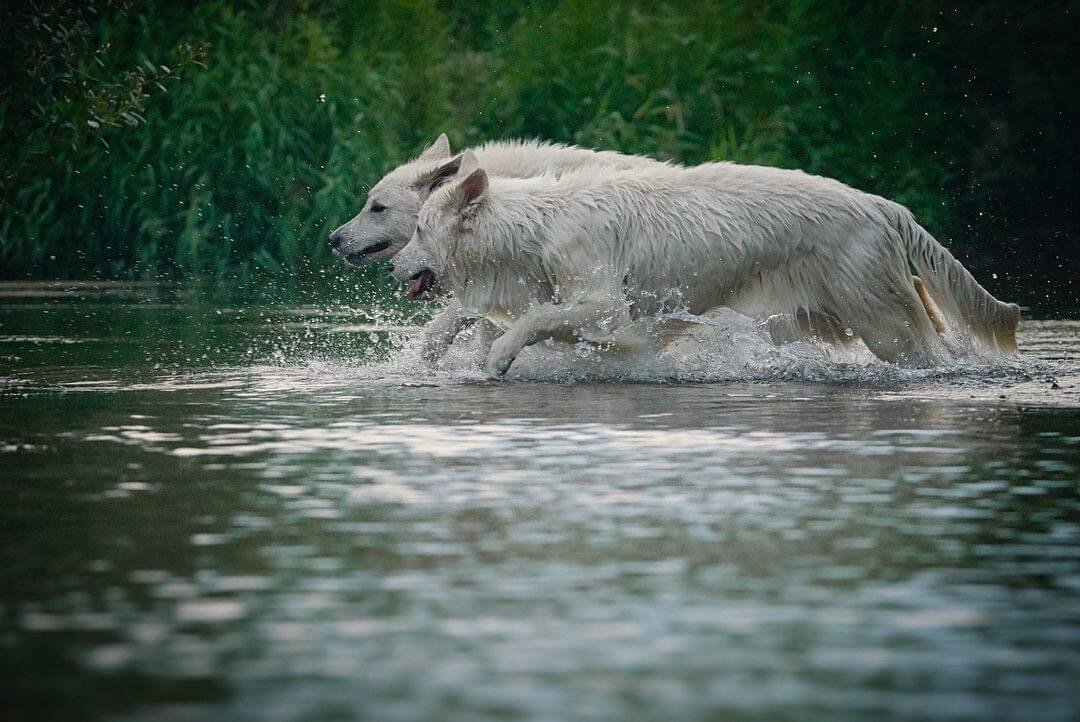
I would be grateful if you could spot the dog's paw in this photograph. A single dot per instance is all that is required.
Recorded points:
(497, 366)
(500, 357)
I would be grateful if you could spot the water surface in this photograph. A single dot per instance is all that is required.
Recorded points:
(276, 513)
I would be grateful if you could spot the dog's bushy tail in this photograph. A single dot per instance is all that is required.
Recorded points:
(961, 299)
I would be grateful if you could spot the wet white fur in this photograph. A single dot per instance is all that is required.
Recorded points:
(578, 255)
(403, 190)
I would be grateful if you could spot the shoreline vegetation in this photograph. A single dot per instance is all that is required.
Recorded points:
(224, 140)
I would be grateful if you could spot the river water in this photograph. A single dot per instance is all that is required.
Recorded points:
(215, 512)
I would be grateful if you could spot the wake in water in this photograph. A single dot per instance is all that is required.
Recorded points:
(356, 352)
(721, 346)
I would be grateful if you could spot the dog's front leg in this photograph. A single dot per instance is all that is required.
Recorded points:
(442, 330)
(588, 319)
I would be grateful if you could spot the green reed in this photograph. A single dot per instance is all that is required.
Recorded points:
(238, 167)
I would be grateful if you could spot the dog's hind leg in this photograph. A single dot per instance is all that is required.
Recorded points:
(827, 328)
(895, 326)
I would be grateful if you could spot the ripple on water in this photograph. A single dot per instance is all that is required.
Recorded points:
(813, 535)
(729, 348)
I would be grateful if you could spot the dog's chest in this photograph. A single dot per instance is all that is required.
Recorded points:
(502, 295)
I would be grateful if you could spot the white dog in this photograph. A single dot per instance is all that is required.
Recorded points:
(388, 219)
(579, 255)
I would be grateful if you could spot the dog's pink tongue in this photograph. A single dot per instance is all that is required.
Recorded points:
(420, 284)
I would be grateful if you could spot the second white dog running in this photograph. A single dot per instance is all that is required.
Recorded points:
(577, 256)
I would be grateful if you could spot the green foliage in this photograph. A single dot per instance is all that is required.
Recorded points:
(240, 168)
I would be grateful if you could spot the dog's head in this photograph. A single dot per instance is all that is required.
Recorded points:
(388, 217)
(440, 240)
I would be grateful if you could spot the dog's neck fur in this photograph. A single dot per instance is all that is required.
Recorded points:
(495, 266)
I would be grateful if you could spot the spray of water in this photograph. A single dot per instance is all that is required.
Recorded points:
(722, 346)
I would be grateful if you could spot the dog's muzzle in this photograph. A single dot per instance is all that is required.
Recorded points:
(357, 258)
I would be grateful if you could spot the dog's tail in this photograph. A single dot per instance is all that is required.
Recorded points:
(956, 292)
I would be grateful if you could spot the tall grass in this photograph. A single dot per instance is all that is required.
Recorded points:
(241, 168)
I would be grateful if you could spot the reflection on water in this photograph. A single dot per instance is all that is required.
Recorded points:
(268, 513)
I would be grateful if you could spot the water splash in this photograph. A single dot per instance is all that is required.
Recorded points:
(721, 346)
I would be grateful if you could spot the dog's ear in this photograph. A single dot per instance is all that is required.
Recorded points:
(438, 150)
(429, 181)
(469, 163)
(469, 193)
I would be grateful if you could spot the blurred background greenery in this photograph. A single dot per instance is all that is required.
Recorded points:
(223, 140)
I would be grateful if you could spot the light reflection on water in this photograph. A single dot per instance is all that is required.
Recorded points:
(319, 529)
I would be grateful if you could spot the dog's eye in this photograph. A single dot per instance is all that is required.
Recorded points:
(377, 207)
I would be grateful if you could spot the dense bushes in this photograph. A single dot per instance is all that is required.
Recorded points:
(241, 165)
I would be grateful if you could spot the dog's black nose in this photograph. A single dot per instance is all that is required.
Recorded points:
(336, 239)
(390, 267)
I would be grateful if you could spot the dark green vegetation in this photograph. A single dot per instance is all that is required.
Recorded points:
(272, 119)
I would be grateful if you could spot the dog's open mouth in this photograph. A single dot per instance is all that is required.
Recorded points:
(421, 283)
(357, 257)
